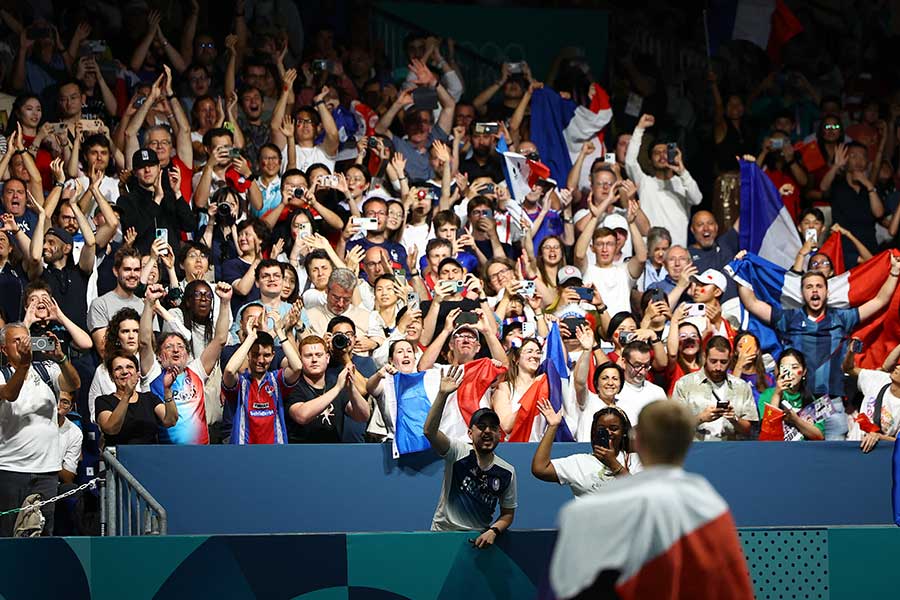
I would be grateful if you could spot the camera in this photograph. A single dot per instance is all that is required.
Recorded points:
(340, 342)
(515, 68)
(299, 193)
(372, 143)
(42, 344)
(224, 215)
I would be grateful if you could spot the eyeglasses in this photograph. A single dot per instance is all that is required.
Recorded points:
(195, 255)
(823, 262)
(496, 276)
(270, 158)
(832, 127)
(159, 143)
(304, 121)
(371, 263)
(376, 213)
(465, 336)
(639, 367)
(203, 295)
(270, 276)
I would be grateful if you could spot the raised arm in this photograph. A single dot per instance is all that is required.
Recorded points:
(840, 160)
(450, 381)
(638, 260)
(585, 336)
(332, 137)
(145, 329)
(210, 355)
(541, 466)
(183, 147)
(231, 370)
(884, 294)
(278, 114)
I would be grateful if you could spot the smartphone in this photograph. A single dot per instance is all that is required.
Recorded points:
(811, 234)
(657, 295)
(321, 66)
(585, 293)
(400, 275)
(573, 323)
(528, 329)
(671, 152)
(366, 223)
(696, 309)
(425, 98)
(515, 68)
(488, 189)
(626, 337)
(856, 346)
(139, 101)
(90, 125)
(487, 128)
(777, 143)
(487, 213)
(466, 318)
(785, 373)
(609, 157)
(600, 438)
(748, 345)
(163, 233)
(786, 406)
(723, 404)
(528, 288)
(234, 152)
(412, 300)
(304, 230)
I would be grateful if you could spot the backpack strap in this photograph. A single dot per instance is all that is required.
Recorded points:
(879, 400)
(41, 370)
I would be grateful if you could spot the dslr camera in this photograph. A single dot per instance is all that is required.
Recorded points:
(340, 342)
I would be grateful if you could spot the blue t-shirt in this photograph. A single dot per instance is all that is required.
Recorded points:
(396, 251)
(821, 342)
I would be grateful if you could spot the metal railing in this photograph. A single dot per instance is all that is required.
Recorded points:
(126, 507)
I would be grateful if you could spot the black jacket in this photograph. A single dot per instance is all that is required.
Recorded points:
(146, 216)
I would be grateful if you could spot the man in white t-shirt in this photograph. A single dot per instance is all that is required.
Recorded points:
(874, 384)
(637, 392)
(30, 456)
(309, 121)
(613, 281)
(475, 479)
(70, 439)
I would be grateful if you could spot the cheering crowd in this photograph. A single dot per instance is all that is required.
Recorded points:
(249, 237)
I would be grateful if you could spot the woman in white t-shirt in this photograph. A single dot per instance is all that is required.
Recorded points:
(587, 473)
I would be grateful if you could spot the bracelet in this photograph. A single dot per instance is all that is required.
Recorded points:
(895, 274)
(870, 190)
(63, 359)
(619, 470)
(601, 309)
(58, 184)
(283, 341)
(170, 96)
(317, 103)
(404, 178)
(414, 273)
(539, 314)
(482, 298)
(168, 399)
(496, 530)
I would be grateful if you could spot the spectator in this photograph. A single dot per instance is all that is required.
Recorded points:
(749, 365)
(669, 193)
(323, 397)
(637, 392)
(607, 379)
(685, 348)
(790, 395)
(485, 161)
(376, 208)
(658, 243)
(339, 301)
(403, 356)
(121, 335)
(587, 473)
(310, 122)
(881, 399)
(127, 269)
(506, 399)
(129, 416)
(711, 251)
(148, 207)
(70, 439)
(721, 403)
(707, 288)
(240, 272)
(257, 395)
(468, 496)
(12, 276)
(30, 456)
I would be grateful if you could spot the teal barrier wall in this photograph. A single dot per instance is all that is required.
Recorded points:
(819, 563)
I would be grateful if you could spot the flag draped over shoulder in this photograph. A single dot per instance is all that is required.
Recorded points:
(766, 225)
(665, 534)
(525, 417)
(777, 286)
(411, 395)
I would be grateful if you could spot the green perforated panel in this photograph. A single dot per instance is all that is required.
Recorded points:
(787, 564)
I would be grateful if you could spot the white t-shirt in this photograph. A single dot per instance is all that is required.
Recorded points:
(586, 416)
(29, 433)
(632, 399)
(587, 475)
(418, 236)
(309, 156)
(70, 438)
(870, 383)
(614, 284)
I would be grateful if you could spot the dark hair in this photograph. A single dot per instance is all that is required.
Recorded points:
(70, 81)
(188, 311)
(20, 100)
(189, 245)
(312, 112)
(263, 339)
(810, 274)
(542, 266)
(758, 365)
(394, 345)
(478, 201)
(120, 354)
(290, 172)
(195, 107)
(335, 321)
(718, 342)
(36, 286)
(318, 253)
(815, 212)
(608, 365)
(111, 337)
(218, 132)
(95, 139)
(623, 418)
(370, 201)
(806, 396)
(221, 194)
(246, 88)
(268, 263)
(701, 356)
(123, 253)
(617, 320)
(162, 336)
(292, 297)
(259, 228)
(273, 148)
(635, 346)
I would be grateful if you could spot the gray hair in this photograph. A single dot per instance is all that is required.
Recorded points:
(677, 247)
(7, 327)
(344, 279)
(657, 234)
(159, 127)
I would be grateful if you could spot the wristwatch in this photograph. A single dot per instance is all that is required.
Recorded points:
(495, 530)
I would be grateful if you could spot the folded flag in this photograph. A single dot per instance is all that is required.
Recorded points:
(411, 395)
(665, 534)
(557, 369)
(522, 173)
(766, 225)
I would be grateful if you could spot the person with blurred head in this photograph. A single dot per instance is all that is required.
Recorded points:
(611, 454)
(685, 348)
(747, 363)
(695, 546)
(721, 403)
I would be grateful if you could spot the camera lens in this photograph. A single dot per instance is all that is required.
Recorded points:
(299, 192)
(340, 341)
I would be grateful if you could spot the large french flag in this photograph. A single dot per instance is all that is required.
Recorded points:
(662, 533)
(766, 225)
(408, 398)
(777, 286)
(769, 24)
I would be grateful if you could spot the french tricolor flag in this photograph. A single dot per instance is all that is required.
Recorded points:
(769, 24)
(662, 534)
(766, 225)
(408, 398)
(775, 285)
